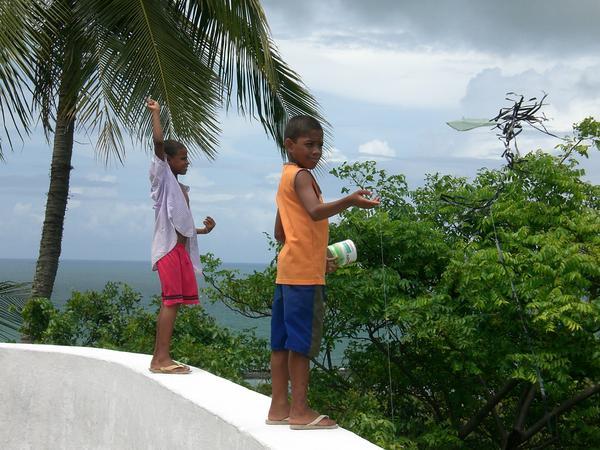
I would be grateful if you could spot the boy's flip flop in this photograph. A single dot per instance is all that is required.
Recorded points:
(172, 369)
(181, 364)
(278, 422)
(314, 425)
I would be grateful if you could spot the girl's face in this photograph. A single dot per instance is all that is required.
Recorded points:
(179, 163)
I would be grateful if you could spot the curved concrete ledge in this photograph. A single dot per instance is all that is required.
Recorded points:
(75, 397)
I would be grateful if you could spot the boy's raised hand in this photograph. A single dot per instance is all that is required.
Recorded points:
(152, 105)
(359, 198)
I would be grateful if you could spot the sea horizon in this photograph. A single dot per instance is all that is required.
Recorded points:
(127, 260)
(92, 275)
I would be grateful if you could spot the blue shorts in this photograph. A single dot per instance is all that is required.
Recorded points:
(297, 318)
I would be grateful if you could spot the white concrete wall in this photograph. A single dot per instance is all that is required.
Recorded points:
(54, 397)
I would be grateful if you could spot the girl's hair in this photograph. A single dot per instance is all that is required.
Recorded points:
(299, 126)
(171, 147)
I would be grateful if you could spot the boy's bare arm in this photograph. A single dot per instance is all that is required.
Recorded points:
(157, 132)
(303, 185)
(279, 233)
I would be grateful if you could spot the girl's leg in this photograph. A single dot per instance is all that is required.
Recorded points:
(164, 330)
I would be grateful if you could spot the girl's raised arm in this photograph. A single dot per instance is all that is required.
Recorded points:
(157, 132)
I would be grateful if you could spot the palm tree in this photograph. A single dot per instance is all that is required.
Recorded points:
(89, 66)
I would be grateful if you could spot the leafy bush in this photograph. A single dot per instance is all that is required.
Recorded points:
(114, 318)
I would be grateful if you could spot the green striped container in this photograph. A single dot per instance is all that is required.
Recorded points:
(344, 252)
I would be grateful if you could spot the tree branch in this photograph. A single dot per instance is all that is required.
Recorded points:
(514, 437)
(425, 396)
(501, 431)
(474, 422)
(564, 407)
(524, 407)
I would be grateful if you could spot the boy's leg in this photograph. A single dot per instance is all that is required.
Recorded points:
(280, 406)
(171, 271)
(304, 311)
(300, 413)
(164, 330)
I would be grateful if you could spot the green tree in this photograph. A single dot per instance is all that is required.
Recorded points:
(472, 318)
(90, 65)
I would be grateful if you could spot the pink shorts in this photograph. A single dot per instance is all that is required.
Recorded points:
(177, 277)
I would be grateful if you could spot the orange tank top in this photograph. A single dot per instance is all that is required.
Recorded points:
(302, 260)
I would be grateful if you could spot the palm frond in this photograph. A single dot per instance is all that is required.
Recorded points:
(48, 30)
(94, 111)
(12, 300)
(142, 53)
(15, 43)
(193, 56)
(235, 39)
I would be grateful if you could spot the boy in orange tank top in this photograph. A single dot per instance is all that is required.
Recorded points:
(298, 307)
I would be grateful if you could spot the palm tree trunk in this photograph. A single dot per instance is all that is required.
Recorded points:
(56, 205)
(60, 170)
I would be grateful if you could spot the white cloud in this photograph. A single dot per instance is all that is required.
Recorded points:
(196, 180)
(335, 156)
(203, 197)
(481, 148)
(273, 178)
(111, 179)
(123, 218)
(546, 27)
(93, 192)
(260, 219)
(399, 78)
(377, 148)
(22, 209)
(73, 204)
(573, 92)
(26, 211)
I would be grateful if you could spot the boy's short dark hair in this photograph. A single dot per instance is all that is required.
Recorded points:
(299, 126)
(171, 147)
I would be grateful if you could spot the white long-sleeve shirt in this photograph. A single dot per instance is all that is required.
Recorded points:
(172, 214)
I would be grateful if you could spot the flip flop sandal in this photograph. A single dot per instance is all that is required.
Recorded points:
(172, 369)
(314, 425)
(278, 422)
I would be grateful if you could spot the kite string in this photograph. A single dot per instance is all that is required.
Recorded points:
(386, 318)
(521, 312)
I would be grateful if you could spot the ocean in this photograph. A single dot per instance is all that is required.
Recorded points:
(82, 275)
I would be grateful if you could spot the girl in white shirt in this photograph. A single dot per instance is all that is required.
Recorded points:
(174, 247)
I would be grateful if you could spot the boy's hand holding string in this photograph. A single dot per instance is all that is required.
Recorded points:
(320, 211)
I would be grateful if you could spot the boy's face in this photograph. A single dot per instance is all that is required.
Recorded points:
(179, 163)
(306, 150)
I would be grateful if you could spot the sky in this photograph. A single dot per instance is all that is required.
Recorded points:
(388, 75)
